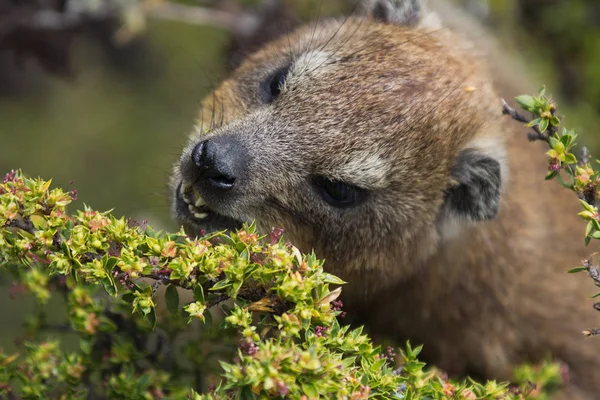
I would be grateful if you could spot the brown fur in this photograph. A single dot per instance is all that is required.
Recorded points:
(481, 296)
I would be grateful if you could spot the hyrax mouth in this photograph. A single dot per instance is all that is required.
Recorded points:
(197, 216)
(193, 203)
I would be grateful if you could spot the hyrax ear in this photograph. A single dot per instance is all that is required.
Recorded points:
(474, 191)
(399, 12)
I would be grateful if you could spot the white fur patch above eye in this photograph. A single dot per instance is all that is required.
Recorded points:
(366, 169)
(311, 63)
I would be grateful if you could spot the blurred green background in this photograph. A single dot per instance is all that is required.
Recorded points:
(110, 115)
(115, 135)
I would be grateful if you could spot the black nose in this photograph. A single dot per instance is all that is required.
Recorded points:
(219, 162)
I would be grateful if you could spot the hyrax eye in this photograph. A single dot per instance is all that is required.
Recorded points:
(337, 193)
(270, 88)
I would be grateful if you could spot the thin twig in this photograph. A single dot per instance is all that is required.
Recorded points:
(536, 135)
(23, 224)
(242, 23)
(508, 110)
(584, 157)
(218, 300)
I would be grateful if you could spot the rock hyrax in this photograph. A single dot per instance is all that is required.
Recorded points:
(379, 143)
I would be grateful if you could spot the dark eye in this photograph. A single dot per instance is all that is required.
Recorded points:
(338, 193)
(270, 89)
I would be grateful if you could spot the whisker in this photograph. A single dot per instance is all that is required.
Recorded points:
(291, 49)
(339, 48)
(211, 86)
(222, 113)
(341, 25)
(202, 118)
(312, 36)
(212, 117)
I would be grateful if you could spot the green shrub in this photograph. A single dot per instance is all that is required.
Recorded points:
(265, 318)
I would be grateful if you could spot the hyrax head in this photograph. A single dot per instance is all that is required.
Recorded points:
(370, 140)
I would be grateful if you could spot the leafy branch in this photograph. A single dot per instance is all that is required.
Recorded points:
(574, 173)
(282, 314)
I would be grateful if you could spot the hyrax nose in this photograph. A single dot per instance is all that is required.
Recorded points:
(219, 162)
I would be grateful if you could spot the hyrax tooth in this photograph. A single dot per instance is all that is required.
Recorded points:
(185, 187)
(200, 202)
(200, 215)
(192, 208)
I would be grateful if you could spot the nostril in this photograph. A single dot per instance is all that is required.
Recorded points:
(215, 164)
(197, 154)
(222, 182)
(205, 157)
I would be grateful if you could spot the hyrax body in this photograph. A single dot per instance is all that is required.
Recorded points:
(379, 143)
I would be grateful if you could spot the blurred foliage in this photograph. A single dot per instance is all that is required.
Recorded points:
(571, 43)
(560, 42)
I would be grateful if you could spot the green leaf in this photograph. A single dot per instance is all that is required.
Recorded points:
(151, 317)
(38, 222)
(109, 286)
(208, 319)
(334, 280)
(576, 269)
(587, 206)
(551, 175)
(348, 362)
(417, 350)
(66, 250)
(311, 390)
(570, 158)
(172, 299)
(221, 285)
(199, 294)
(525, 101)
(110, 264)
(543, 125)
(542, 91)
(128, 297)
(235, 288)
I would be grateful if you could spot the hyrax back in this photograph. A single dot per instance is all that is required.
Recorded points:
(381, 146)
